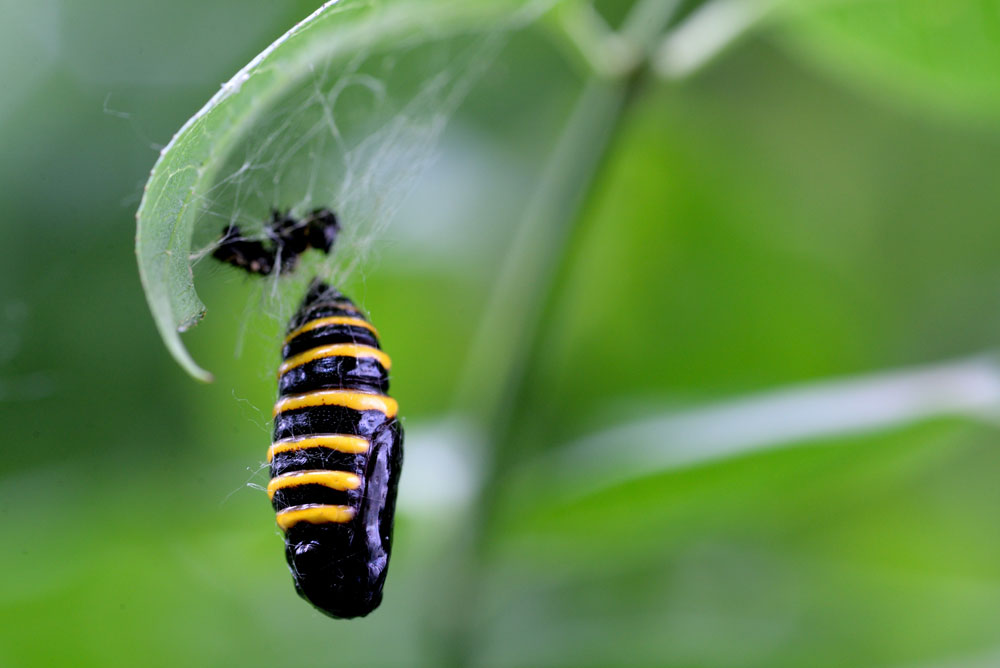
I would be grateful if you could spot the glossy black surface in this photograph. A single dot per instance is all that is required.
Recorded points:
(339, 568)
(327, 420)
(320, 301)
(297, 496)
(317, 459)
(363, 373)
(326, 335)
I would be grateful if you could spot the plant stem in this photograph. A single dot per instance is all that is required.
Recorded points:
(525, 281)
(604, 52)
(509, 331)
(511, 318)
(709, 31)
(645, 23)
(509, 338)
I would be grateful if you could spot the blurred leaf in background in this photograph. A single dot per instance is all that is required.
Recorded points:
(692, 309)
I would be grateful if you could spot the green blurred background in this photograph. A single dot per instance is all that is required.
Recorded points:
(724, 449)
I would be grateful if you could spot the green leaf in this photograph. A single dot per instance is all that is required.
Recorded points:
(673, 440)
(271, 137)
(780, 553)
(941, 55)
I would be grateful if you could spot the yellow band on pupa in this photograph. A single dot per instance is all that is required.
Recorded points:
(314, 514)
(353, 445)
(359, 401)
(335, 350)
(332, 320)
(339, 480)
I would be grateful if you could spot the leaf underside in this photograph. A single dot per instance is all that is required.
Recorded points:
(280, 111)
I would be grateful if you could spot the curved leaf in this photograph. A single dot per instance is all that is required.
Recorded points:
(333, 41)
(797, 415)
